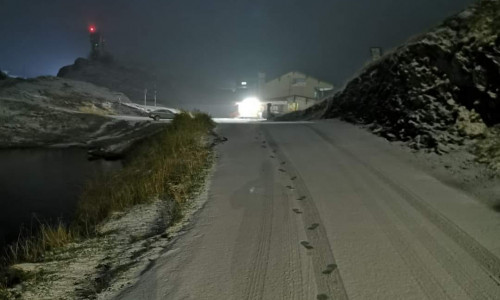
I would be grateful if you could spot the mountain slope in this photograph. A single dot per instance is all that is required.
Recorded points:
(437, 89)
(50, 110)
(110, 74)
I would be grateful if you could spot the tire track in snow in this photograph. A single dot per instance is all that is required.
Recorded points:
(487, 260)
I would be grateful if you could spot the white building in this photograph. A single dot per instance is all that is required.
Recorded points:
(294, 91)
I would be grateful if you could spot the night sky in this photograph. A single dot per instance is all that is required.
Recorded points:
(212, 41)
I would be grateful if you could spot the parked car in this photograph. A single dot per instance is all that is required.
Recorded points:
(161, 114)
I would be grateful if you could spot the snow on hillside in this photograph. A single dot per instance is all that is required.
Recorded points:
(112, 75)
(50, 110)
(437, 91)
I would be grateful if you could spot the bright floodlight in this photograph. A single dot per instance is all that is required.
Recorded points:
(243, 83)
(249, 108)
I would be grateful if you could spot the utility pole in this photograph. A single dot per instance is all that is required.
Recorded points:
(145, 96)
(155, 94)
(261, 82)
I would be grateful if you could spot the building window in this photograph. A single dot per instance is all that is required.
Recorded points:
(277, 109)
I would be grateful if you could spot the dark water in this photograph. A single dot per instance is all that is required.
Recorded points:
(42, 185)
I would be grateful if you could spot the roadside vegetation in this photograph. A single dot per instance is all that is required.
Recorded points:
(487, 149)
(168, 166)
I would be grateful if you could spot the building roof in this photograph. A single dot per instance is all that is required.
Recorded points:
(308, 76)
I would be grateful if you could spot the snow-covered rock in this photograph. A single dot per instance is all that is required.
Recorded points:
(422, 90)
(50, 110)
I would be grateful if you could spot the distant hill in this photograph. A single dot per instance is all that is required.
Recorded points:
(49, 110)
(112, 75)
(437, 89)
(3, 75)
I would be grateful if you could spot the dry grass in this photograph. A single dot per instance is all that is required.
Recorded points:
(168, 165)
(90, 109)
(33, 247)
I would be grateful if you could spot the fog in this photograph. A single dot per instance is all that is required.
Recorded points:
(202, 46)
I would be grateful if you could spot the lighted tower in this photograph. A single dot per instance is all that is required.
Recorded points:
(96, 43)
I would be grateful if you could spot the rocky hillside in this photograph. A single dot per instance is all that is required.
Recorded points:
(50, 110)
(436, 91)
(110, 74)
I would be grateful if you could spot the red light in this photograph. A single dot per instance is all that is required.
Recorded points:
(92, 28)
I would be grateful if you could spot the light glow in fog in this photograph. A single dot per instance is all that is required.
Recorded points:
(249, 108)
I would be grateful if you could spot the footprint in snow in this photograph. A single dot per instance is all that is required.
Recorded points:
(281, 170)
(330, 268)
(297, 211)
(306, 245)
(322, 297)
(290, 187)
(313, 226)
(302, 198)
(293, 178)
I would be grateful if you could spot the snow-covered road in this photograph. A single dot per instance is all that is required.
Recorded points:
(217, 120)
(326, 211)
